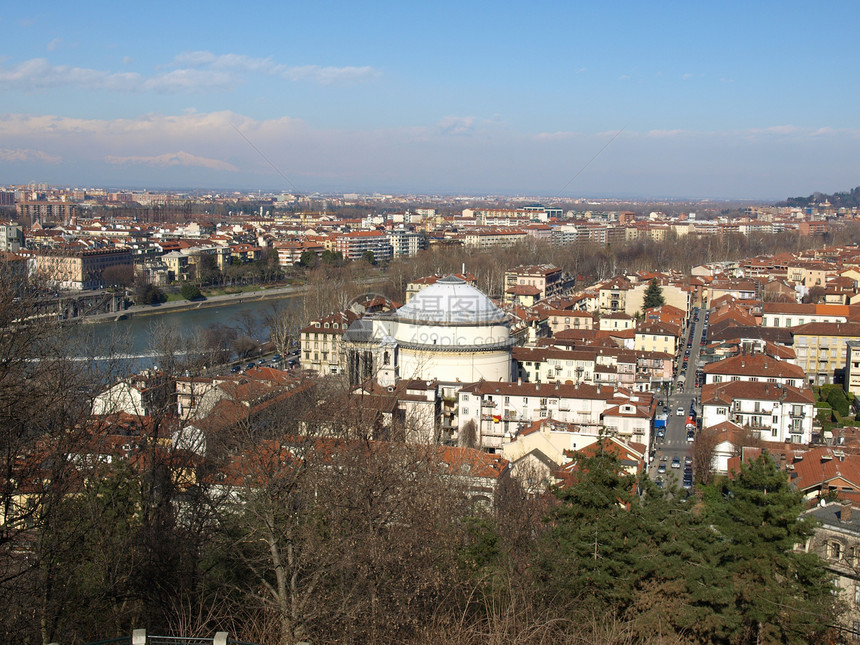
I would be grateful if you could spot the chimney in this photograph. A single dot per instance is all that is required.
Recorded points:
(845, 513)
(520, 380)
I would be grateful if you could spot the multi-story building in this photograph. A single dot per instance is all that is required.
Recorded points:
(852, 367)
(754, 368)
(42, 211)
(546, 278)
(613, 295)
(354, 245)
(11, 238)
(322, 343)
(405, 243)
(788, 314)
(490, 238)
(560, 320)
(657, 337)
(773, 411)
(837, 541)
(79, 269)
(493, 411)
(822, 349)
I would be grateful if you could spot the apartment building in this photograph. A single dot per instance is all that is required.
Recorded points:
(787, 314)
(321, 343)
(657, 337)
(79, 270)
(754, 368)
(492, 411)
(354, 245)
(773, 411)
(822, 349)
(547, 279)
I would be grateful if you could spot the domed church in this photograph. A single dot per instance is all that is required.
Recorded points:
(449, 332)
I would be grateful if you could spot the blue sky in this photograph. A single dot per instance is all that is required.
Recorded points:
(753, 100)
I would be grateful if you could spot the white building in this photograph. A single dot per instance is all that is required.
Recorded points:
(450, 332)
(494, 411)
(776, 412)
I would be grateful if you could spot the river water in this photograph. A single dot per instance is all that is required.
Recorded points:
(139, 339)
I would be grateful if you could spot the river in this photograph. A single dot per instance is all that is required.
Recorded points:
(138, 339)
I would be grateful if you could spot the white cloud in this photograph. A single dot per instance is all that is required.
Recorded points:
(56, 42)
(190, 80)
(555, 136)
(174, 159)
(20, 154)
(38, 73)
(198, 71)
(456, 125)
(665, 133)
(491, 157)
(329, 75)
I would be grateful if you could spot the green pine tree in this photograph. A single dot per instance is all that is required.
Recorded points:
(778, 594)
(653, 295)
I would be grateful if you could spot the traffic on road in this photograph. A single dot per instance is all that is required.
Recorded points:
(679, 417)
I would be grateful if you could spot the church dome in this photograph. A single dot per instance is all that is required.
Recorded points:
(451, 301)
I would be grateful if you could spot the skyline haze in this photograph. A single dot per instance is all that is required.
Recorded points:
(736, 101)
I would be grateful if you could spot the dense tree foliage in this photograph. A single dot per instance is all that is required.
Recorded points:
(653, 295)
(849, 199)
(190, 291)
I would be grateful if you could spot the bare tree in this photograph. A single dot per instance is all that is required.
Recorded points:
(703, 454)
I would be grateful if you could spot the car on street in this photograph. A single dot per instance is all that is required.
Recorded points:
(676, 462)
(679, 412)
(250, 365)
(688, 459)
(691, 435)
(276, 358)
(661, 468)
(235, 369)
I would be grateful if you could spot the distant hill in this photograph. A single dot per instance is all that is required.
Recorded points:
(837, 200)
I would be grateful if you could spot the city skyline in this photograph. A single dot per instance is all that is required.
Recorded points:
(728, 102)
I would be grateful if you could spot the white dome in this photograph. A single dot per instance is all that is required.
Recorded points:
(451, 301)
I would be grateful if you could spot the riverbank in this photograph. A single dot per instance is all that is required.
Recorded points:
(275, 293)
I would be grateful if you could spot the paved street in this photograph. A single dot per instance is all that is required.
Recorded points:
(683, 396)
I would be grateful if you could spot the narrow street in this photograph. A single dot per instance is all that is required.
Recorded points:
(684, 397)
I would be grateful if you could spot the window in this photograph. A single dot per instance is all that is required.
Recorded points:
(834, 550)
(507, 400)
(465, 411)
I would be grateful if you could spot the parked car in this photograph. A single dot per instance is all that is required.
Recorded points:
(250, 365)
(676, 462)
(276, 358)
(661, 468)
(691, 435)
(235, 369)
(679, 412)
